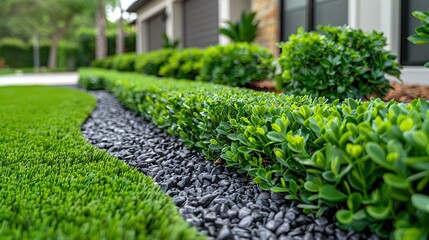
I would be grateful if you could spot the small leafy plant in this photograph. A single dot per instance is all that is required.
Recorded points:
(422, 32)
(245, 30)
(235, 64)
(337, 63)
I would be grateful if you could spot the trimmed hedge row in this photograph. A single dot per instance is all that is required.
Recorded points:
(234, 64)
(55, 185)
(367, 161)
(19, 54)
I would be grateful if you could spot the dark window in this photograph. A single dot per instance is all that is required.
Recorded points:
(311, 13)
(412, 54)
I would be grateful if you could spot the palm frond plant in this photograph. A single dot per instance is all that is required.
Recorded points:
(245, 30)
(169, 43)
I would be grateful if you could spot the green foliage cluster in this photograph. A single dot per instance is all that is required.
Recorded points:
(367, 161)
(337, 63)
(150, 63)
(422, 32)
(236, 64)
(54, 185)
(124, 62)
(19, 54)
(244, 30)
(183, 64)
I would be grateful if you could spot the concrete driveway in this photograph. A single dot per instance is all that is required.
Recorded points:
(54, 79)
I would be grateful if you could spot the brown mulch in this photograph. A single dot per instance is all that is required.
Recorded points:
(401, 92)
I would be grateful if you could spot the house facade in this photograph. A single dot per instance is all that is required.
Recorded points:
(196, 22)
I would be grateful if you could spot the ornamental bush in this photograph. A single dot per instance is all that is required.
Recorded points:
(150, 63)
(235, 64)
(124, 62)
(104, 63)
(367, 161)
(337, 63)
(183, 64)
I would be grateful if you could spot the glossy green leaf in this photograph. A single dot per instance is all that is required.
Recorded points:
(377, 154)
(330, 193)
(396, 181)
(344, 216)
(421, 202)
(379, 212)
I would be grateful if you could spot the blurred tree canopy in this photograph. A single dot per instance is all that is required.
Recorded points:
(52, 20)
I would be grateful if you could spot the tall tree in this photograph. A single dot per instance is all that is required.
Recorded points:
(101, 39)
(48, 18)
(120, 36)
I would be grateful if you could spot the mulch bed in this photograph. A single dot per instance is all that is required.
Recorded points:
(401, 92)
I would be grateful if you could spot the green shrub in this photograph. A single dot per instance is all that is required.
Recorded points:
(368, 161)
(235, 64)
(124, 62)
(55, 185)
(150, 63)
(183, 64)
(107, 62)
(16, 53)
(422, 32)
(19, 54)
(337, 63)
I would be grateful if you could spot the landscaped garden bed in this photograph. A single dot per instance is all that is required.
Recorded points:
(360, 159)
(222, 203)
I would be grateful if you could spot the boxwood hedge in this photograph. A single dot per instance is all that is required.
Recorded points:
(367, 161)
(54, 185)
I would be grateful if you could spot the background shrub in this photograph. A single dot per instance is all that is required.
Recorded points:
(19, 54)
(150, 63)
(338, 62)
(16, 53)
(235, 64)
(183, 64)
(124, 62)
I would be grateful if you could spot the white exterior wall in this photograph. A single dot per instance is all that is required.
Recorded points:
(230, 10)
(385, 16)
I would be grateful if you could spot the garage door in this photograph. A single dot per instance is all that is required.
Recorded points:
(201, 23)
(156, 27)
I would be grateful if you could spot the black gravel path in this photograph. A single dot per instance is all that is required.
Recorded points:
(220, 202)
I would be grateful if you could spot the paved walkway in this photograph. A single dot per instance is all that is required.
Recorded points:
(57, 79)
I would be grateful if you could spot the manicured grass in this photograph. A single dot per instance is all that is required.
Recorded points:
(10, 71)
(54, 185)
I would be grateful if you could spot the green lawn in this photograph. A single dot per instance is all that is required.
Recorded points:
(10, 71)
(54, 185)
